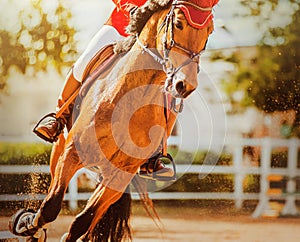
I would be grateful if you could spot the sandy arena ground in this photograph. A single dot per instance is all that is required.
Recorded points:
(198, 228)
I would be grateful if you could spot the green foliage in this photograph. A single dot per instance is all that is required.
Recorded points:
(24, 183)
(192, 182)
(279, 159)
(43, 39)
(210, 183)
(24, 153)
(200, 157)
(251, 184)
(270, 80)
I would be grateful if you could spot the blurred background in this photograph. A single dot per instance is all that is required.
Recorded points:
(244, 116)
(249, 72)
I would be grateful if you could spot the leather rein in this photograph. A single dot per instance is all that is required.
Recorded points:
(167, 66)
(164, 61)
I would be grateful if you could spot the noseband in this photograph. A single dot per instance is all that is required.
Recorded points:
(168, 67)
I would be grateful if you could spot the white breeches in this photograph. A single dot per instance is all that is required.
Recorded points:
(106, 35)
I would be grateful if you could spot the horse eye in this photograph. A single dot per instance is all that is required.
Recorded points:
(179, 25)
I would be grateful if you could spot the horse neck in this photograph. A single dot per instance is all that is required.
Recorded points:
(142, 59)
(137, 68)
(150, 31)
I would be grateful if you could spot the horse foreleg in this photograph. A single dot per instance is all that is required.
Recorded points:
(66, 167)
(57, 150)
(97, 205)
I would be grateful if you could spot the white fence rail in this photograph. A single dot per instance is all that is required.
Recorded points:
(239, 170)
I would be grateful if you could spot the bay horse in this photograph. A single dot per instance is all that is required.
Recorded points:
(122, 118)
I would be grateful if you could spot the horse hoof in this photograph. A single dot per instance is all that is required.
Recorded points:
(21, 223)
(39, 236)
(64, 237)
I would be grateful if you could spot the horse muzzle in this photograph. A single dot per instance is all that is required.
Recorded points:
(178, 86)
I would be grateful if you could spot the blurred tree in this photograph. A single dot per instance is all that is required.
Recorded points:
(271, 79)
(43, 39)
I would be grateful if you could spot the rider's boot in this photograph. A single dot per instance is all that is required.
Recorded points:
(156, 169)
(50, 126)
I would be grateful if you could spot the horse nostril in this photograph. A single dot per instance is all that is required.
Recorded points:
(180, 87)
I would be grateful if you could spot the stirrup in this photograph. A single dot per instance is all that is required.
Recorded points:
(55, 136)
(156, 175)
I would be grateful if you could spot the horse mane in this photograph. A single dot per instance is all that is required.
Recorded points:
(137, 22)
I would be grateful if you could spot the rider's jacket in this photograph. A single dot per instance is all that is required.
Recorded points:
(119, 18)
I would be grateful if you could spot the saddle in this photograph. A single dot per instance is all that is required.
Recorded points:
(101, 61)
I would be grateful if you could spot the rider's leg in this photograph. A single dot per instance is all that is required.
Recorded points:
(155, 166)
(105, 36)
(51, 127)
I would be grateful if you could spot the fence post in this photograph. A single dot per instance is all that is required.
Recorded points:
(263, 204)
(290, 206)
(73, 193)
(238, 175)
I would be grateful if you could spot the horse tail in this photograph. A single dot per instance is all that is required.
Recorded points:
(141, 187)
(114, 225)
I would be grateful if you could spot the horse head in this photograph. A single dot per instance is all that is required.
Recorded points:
(182, 46)
(180, 36)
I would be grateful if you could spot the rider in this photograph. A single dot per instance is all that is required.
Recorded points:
(113, 30)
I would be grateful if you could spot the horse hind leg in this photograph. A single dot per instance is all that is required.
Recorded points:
(114, 225)
(85, 222)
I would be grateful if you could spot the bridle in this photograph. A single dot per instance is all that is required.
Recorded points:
(164, 60)
(171, 70)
